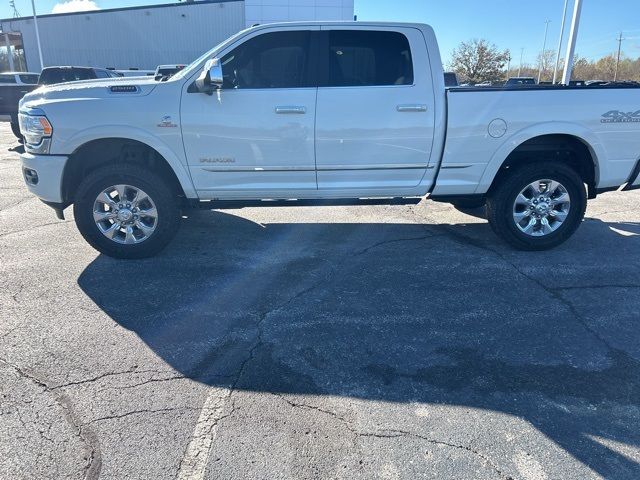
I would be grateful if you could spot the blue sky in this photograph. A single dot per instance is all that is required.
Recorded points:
(507, 23)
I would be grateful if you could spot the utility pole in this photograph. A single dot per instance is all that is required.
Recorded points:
(571, 48)
(520, 67)
(508, 64)
(564, 17)
(544, 46)
(35, 24)
(619, 39)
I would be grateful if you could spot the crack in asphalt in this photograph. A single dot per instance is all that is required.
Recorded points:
(89, 439)
(16, 203)
(105, 375)
(596, 287)
(551, 291)
(33, 227)
(395, 240)
(402, 433)
(141, 411)
(395, 433)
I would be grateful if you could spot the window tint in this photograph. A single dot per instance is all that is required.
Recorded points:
(362, 58)
(101, 74)
(7, 79)
(271, 60)
(29, 78)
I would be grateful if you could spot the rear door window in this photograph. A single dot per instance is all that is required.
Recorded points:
(369, 58)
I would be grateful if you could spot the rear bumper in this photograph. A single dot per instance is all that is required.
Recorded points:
(43, 176)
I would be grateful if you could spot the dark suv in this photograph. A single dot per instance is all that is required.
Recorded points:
(52, 75)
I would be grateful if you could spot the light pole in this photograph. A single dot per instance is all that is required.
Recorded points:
(619, 39)
(571, 48)
(564, 17)
(544, 46)
(520, 67)
(35, 24)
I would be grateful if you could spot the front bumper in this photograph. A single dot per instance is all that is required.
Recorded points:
(43, 175)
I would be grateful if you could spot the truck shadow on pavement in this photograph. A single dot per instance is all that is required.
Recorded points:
(406, 313)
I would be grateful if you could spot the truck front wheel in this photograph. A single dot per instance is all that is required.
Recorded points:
(125, 211)
(15, 128)
(537, 206)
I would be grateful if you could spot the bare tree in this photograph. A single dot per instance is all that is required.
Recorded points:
(547, 60)
(478, 61)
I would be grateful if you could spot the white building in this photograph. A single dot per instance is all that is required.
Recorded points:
(144, 37)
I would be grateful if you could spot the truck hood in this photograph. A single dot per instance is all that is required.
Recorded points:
(96, 88)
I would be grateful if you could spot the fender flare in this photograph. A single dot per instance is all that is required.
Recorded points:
(136, 134)
(587, 137)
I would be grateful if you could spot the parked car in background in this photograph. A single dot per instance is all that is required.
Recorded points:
(166, 71)
(13, 86)
(515, 81)
(62, 74)
(450, 79)
(134, 72)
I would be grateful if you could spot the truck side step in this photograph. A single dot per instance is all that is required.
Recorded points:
(234, 204)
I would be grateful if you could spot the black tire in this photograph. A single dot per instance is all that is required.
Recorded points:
(168, 213)
(501, 200)
(15, 128)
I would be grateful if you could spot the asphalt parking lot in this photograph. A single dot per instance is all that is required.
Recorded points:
(394, 342)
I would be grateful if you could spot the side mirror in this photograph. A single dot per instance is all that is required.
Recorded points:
(210, 78)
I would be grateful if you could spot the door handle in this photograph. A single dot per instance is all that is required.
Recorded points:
(291, 109)
(412, 108)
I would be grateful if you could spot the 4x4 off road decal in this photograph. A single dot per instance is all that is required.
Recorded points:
(616, 116)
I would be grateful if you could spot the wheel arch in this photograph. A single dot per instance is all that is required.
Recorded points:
(94, 153)
(567, 143)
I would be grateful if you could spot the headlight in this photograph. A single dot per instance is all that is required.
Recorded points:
(37, 130)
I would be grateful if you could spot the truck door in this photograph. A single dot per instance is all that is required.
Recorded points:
(255, 136)
(375, 109)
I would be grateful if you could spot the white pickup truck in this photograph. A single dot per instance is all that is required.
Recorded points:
(303, 111)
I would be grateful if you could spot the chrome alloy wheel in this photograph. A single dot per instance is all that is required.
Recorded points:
(541, 207)
(125, 214)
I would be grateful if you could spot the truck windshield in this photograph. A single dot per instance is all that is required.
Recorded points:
(60, 75)
(188, 70)
(30, 78)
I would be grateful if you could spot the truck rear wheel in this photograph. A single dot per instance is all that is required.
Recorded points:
(125, 211)
(537, 206)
